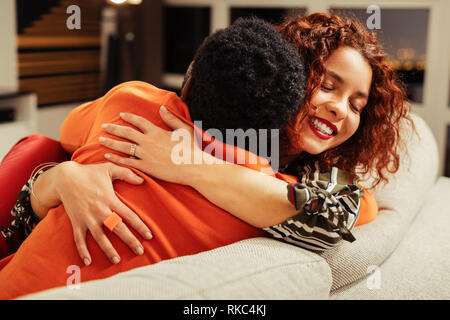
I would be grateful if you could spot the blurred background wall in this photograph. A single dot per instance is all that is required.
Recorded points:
(155, 40)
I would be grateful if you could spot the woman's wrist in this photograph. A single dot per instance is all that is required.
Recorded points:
(45, 194)
(199, 174)
(62, 176)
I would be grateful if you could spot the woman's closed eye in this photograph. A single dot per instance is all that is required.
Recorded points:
(358, 104)
(355, 108)
(329, 88)
(326, 87)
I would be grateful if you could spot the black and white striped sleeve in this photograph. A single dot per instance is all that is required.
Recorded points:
(328, 205)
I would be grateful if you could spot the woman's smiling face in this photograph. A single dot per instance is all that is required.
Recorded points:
(337, 105)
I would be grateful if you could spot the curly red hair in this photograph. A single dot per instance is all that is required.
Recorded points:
(374, 144)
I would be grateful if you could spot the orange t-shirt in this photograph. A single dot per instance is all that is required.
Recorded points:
(182, 221)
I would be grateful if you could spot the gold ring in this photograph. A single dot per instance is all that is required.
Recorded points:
(132, 150)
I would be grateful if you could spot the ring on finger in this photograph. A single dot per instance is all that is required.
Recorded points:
(133, 150)
(112, 221)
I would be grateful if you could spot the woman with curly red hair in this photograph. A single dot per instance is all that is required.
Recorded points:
(374, 144)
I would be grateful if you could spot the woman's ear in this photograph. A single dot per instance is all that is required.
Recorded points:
(186, 89)
(186, 86)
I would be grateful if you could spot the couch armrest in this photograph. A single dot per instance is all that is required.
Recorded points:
(259, 268)
(399, 201)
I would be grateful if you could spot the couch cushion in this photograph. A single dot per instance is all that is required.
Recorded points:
(419, 267)
(258, 268)
(398, 201)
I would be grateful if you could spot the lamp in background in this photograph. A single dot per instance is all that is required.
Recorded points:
(134, 2)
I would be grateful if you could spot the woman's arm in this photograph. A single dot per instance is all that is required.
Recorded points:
(44, 195)
(88, 196)
(254, 197)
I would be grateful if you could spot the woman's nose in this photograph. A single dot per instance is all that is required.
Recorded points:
(339, 109)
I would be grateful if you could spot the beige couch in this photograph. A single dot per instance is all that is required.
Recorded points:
(403, 254)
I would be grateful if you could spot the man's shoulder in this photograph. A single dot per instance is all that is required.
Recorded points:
(140, 89)
(135, 84)
(139, 96)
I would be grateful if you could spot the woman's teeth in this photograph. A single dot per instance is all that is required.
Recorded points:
(322, 127)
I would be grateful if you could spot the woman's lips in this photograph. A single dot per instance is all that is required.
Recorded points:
(320, 134)
(329, 124)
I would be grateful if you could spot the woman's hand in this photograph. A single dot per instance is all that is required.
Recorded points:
(156, 152)
(87, 194)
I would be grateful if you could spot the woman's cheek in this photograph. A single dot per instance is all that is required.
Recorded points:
(318, 98)
(350, 129)
(355, 124)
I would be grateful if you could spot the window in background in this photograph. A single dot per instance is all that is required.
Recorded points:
(272, 15)
(403, 34)
(185, 28)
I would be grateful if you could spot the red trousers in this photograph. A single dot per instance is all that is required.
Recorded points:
(15, 170)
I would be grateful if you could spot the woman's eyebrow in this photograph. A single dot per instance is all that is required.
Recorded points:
(335, 75)
(340, 80)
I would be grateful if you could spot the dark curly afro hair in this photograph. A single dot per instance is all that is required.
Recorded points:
(246, 76)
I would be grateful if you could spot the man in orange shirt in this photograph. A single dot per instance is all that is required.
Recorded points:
(259, 70)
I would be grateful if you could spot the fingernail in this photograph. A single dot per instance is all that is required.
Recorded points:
(163, 109)
(148, 235)
(102, 139)
(122, 114)
(86, 261)
(115, 260)
(139, 251)
(104, 126)
(140, 179)
(107, 155)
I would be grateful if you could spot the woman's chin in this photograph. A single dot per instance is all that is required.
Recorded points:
(314, 147)
(314, 151)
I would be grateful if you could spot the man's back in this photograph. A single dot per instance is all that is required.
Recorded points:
(182, 221)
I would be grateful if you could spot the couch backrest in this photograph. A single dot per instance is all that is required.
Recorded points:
(398, 201)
